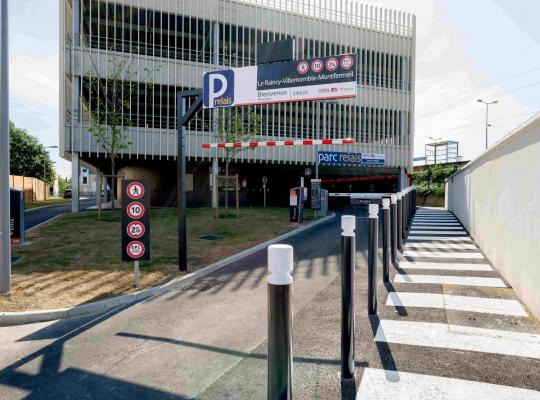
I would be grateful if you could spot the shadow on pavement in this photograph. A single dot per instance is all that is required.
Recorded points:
(50, 382)
(320, 361)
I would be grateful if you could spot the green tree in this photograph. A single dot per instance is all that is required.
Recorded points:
(112, 102)
(236, 125)
(430, 181)
(28, 157)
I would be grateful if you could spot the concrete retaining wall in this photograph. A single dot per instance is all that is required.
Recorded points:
(497, 198)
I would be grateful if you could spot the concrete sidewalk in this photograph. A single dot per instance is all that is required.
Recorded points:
(431, 339)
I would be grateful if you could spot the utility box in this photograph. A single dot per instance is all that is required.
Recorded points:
(16, 216)
(323, 211)
(315, 194)
(296, 205)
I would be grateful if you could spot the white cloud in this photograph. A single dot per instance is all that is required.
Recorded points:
(35, 78)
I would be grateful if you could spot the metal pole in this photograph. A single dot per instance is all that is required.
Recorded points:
(136, 273)
(487, 111)
(393, 235)
(373, 246)
(280, 356)
(348, 262)
(386, 239)
(399, 220)
(181, 175)
(5, 249)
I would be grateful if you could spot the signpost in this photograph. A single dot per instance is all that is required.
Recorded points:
(135, 223)
(319, 78)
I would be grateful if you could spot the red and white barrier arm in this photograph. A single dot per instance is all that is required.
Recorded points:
(273, 143)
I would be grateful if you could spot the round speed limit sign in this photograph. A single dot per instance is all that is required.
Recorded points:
(135, 190)
(135, 229)
(135, 210)
(135, 249)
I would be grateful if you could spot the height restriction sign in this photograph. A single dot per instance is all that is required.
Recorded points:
(135, 220)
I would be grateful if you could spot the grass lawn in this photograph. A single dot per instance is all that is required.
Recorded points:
(76, 258)
(49, 202)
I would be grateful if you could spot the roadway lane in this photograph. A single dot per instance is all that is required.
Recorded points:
(37, 216)
(171, 346)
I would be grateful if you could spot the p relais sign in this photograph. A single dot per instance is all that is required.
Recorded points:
(311, 79)
(346, 158)
(135, 220)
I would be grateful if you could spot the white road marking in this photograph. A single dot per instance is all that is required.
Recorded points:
(426, 223)
(440, 254)
(446, 232)
(454, 246)
(444, 266)
(380, 384)
(437, 227)
(450, 280)
(451, 302)
(459, 337)
(451, 239)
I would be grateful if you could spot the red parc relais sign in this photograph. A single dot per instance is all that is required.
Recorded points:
(135, 220)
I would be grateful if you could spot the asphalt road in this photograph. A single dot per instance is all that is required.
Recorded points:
(37, 216)
(208, 341)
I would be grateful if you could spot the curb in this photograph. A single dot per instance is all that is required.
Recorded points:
(44, 222)
(29, 317)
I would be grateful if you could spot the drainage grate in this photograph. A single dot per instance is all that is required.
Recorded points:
(211, 237)
(202, 285)
(488, 321)
(491, 321)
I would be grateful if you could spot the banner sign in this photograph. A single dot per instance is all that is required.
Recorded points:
(16, 216)
(346, 158)
(135, 220)
(311, 79)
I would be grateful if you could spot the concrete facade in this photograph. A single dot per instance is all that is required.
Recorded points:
(497, 198)
(178, 41)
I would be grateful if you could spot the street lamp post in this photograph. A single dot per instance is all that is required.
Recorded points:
(5, 249)
(45, 163)
(487, 103)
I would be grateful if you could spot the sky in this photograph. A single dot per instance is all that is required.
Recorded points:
(488, 49)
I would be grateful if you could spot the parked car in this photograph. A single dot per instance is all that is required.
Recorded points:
(67, 194)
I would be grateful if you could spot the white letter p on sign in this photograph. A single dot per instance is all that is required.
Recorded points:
(211, 87)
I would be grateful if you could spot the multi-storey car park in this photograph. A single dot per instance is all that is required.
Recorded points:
(179, 40)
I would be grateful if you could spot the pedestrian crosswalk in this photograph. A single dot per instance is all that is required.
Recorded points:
(439, 253)
(452, 302)
(379, 384)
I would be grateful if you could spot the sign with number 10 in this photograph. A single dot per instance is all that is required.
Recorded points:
(135, 220)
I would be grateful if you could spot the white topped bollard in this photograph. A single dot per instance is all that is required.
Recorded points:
(348, 263)
(373, 247)
(393, 227)
(280, 357)
(399, 220)
(386, 239)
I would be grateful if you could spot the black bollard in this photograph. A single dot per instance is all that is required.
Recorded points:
(399, 220)
(393, 228)
(348, 262)
(404, 198)
(373, 247)
(386, 239)
(280, 357)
